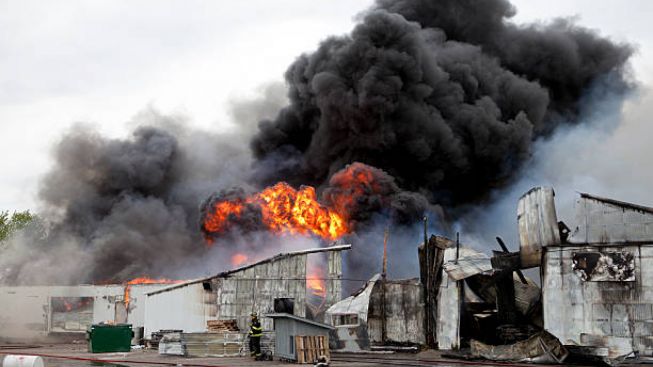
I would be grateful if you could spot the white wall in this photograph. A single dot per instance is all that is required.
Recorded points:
(186, 308)
(25, 311)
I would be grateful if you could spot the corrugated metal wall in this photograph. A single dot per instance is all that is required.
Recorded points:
(334, 275)
(255, 288)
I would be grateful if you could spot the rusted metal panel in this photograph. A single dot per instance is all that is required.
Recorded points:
(404, 313)
(538, 225)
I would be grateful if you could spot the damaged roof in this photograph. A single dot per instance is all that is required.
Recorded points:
(470, 262)
(226, 274)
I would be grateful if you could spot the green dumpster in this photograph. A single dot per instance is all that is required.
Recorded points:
(109, 338)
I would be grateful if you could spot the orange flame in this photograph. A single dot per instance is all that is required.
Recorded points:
(239, 259)
(144, 280)
(284, 210)
(315, 281)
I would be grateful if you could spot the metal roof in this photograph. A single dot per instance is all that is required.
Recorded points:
(300, 319)
(225, 274)
(622, 204)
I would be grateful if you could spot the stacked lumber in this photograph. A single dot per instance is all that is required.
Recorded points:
(229, 344)
(309, 348)
(221, 326)
(213, 344)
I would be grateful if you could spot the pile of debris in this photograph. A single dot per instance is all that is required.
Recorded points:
(221, 326)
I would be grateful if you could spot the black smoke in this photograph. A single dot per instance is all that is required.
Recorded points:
(116, 209)
(446, 96)
(443, 99)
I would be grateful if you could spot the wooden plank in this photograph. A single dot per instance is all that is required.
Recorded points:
(320, 346)
(307, 347)
(299, 349)
(313, 350)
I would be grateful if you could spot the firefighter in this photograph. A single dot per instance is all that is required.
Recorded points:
(255, 333)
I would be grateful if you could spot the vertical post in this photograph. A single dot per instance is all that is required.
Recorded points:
(427, 286)
(385, 254)
(457, 246)
(383, 282)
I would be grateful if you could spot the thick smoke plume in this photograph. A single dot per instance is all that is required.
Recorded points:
(116, 209)
(441, 103)
(446, 96)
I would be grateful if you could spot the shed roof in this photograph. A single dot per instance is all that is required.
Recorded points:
(226, 274)
(299, 319)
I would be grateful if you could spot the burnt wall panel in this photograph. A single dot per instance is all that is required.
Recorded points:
(612, 313)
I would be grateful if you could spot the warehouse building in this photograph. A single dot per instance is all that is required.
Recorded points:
(276, 284)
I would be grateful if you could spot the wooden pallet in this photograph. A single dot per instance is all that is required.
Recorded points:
(309, 348)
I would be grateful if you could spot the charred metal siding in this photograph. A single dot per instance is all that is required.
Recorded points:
(404, 313)
(617, 314)
(538, 225)
(614, 314)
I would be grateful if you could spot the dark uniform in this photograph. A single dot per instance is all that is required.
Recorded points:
(255, 333)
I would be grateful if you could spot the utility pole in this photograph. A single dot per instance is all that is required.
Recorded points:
(383, 283)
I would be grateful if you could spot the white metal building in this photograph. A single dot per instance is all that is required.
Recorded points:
(237, 293)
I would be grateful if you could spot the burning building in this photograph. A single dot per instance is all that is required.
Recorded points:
(276, 284)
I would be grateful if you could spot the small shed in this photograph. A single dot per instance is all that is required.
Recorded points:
(313, 337)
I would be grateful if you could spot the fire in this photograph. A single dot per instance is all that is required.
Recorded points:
(217, 220)
(355, 181)
(315, 282)
(145, 280)
(239, 259)
(283, 210)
